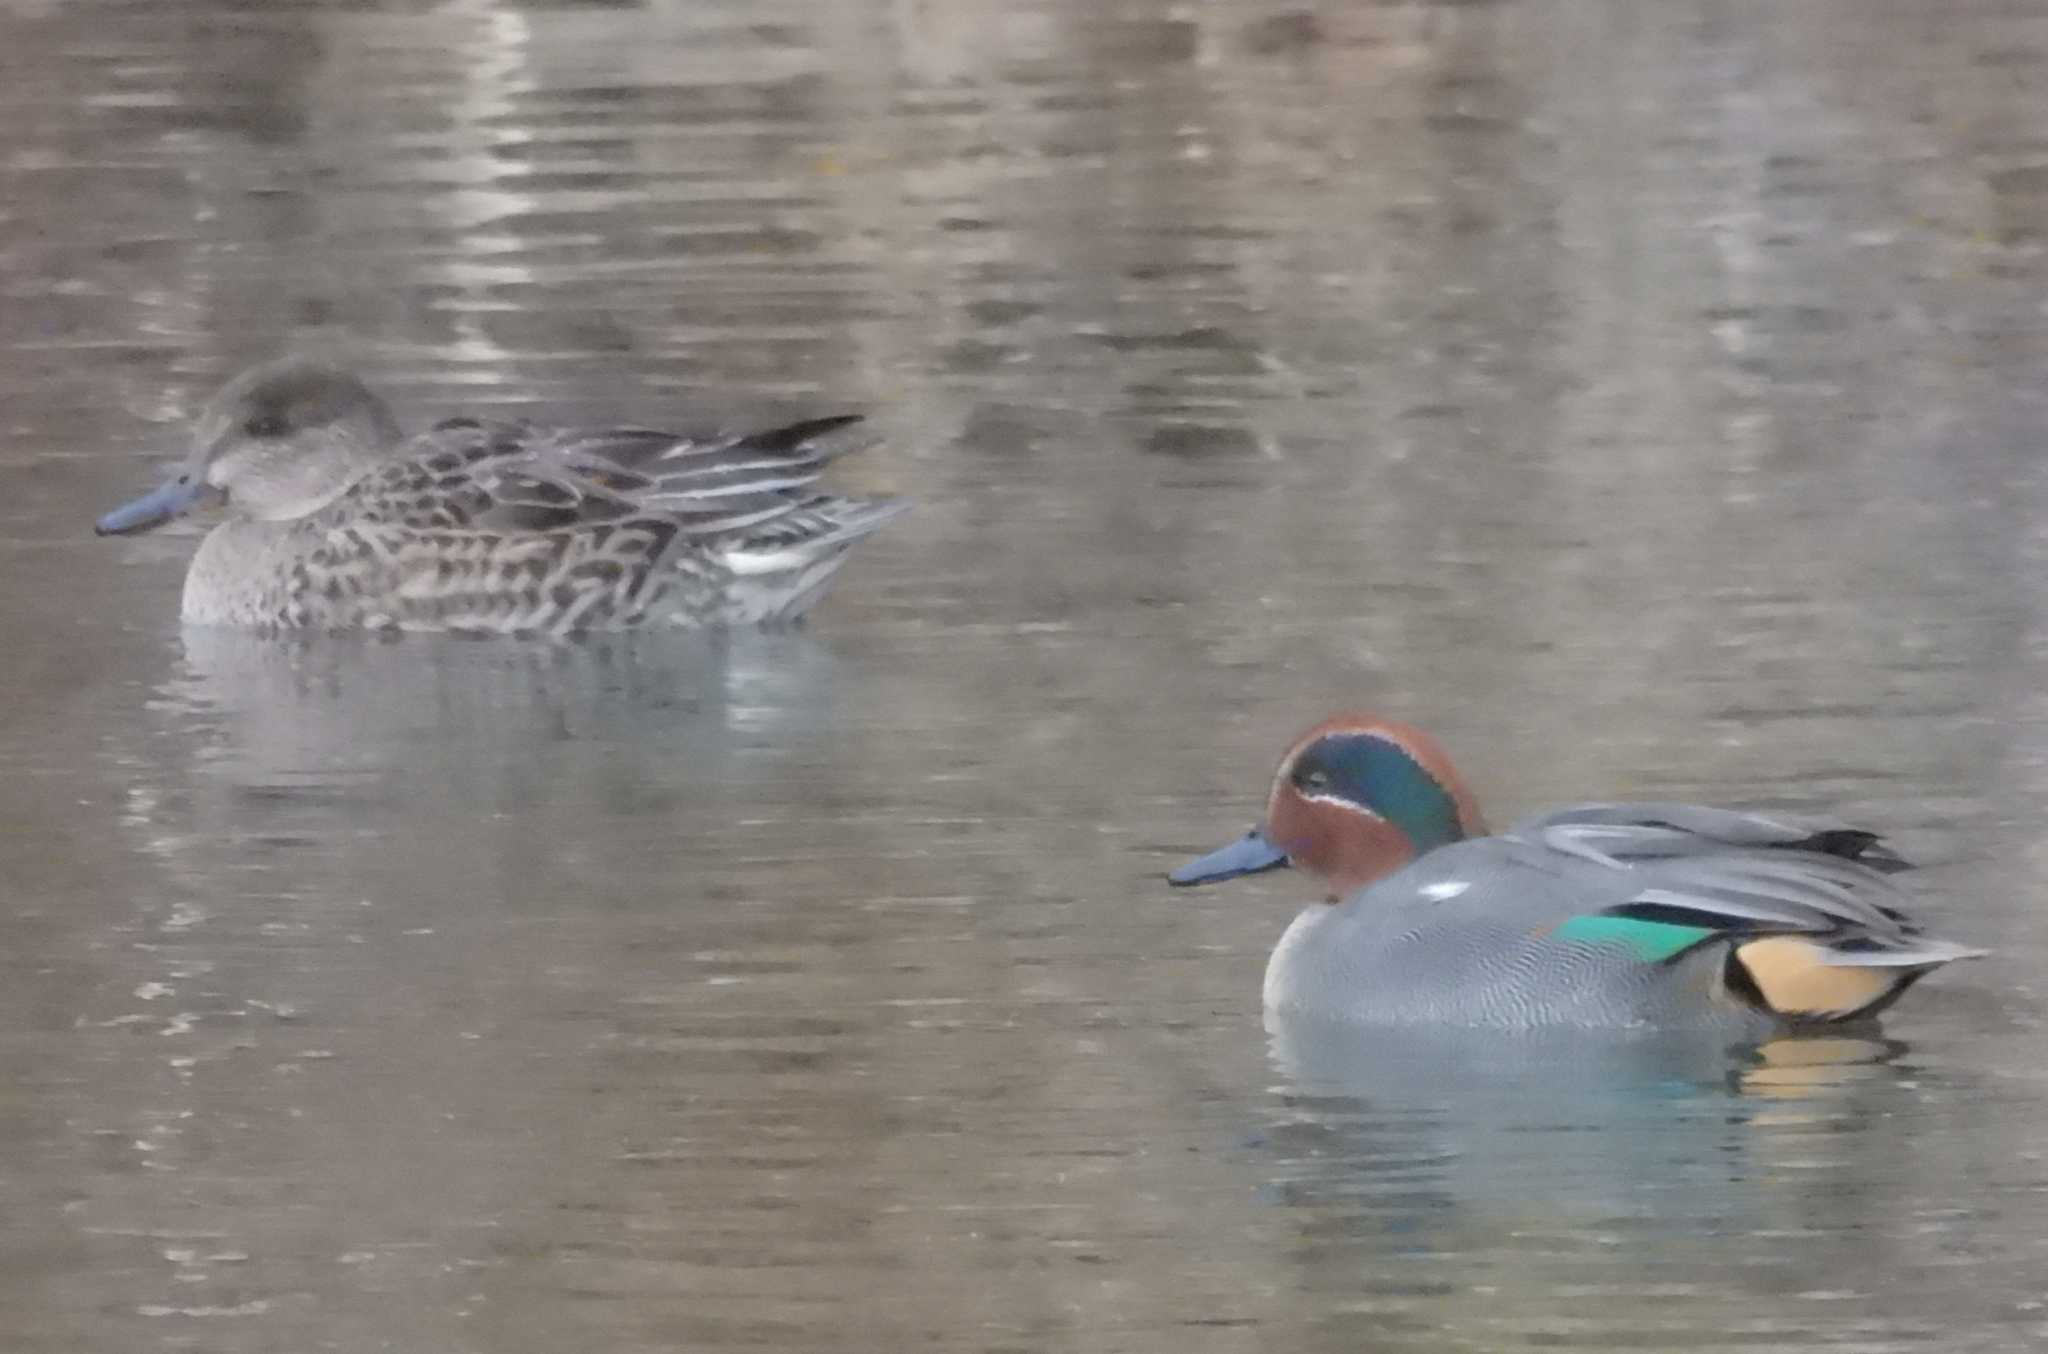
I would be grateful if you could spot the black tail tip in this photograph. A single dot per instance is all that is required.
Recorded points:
(1865, 848)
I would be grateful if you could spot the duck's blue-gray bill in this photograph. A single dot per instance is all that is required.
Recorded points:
(152, 509)
(1249, 854)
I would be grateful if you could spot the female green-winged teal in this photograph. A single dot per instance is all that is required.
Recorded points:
(337, 522)
(1615, 915)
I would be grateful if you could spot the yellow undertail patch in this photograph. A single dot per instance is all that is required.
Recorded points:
(1794, 979)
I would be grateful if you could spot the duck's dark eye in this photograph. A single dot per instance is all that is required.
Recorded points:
(264, 425)
(1317, 779)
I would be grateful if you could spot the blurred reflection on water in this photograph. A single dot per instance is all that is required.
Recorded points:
(1645, 399)
(1586, 1193)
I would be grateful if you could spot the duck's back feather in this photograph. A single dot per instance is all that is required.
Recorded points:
(487, 475)
(499, 526)
(1641, 831)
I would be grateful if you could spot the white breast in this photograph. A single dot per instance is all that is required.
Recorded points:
(1292, 958)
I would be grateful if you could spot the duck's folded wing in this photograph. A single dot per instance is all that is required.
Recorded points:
(487, 475)
(710, 487)
(1629, 833)
(1698, 873)
(664, 471)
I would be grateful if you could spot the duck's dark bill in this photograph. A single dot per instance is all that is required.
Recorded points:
(151, 510)
(1249, 854)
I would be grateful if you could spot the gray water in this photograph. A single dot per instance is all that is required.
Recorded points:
(1645, 398)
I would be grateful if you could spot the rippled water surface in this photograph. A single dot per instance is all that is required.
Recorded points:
(1646, 398)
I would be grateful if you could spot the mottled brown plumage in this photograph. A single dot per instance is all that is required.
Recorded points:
(334, 522)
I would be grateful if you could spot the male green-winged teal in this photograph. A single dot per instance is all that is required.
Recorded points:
(1614, 915)
(335, 521)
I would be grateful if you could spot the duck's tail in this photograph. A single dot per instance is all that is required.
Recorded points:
(780, 567)
(1812, 979)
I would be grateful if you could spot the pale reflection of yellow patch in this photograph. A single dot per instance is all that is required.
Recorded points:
(1834, 1051)
(1795, 979)
(1795, 1069)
